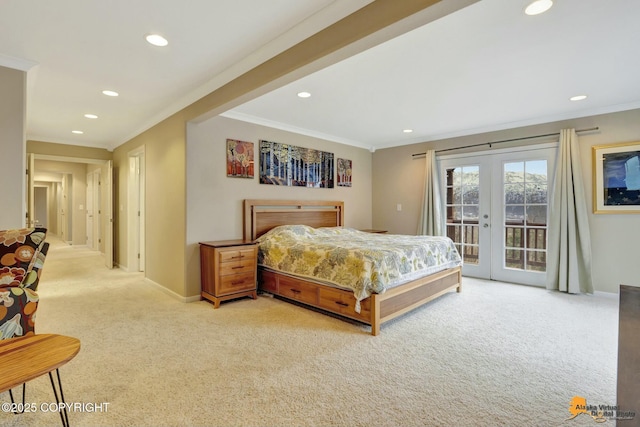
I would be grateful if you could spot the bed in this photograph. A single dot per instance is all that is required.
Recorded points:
(371, 302)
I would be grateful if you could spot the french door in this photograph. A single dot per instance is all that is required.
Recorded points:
(496, 210)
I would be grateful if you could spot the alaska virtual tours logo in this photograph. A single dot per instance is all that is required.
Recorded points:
(599, 413)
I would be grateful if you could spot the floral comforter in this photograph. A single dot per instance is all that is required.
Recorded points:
(365, 262)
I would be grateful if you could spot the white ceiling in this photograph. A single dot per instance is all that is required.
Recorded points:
(485, 67)
(74, 49)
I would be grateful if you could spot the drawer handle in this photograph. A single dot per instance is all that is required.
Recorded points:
(238, 282)
(237, 257)
(295, 291)
(237, 267)
(342, 304)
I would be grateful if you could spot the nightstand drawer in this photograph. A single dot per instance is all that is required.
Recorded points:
(236, 283)
(231, 255)
(237, 266)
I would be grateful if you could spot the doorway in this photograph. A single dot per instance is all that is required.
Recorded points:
(136, 210)
(74, 188)
(94, 218)
(41, 206)
(496, 210)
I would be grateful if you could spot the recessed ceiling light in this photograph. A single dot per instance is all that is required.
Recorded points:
(304, 94)
(79, 132)
(156, 40)
(538, 6)
(91, 116)
(578, 98)
(110, 93)
(407, 130)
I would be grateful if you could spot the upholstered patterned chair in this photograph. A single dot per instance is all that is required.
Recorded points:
(22, 254)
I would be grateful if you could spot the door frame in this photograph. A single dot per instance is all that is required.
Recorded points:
(490, 270)
(66, 207)
(136, 214)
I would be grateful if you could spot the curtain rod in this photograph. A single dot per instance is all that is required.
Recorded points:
(505, 140)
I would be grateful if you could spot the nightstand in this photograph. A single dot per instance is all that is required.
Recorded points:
(228, 270)
(370, 230)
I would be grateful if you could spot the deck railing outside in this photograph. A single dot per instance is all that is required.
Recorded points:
(521, 243)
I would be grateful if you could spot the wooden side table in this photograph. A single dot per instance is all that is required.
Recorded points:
(25, 358)
(371, 230)
(228, 270)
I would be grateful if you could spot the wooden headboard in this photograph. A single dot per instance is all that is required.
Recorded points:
(261, 216)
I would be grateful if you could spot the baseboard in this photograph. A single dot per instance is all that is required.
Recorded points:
(602, 294)
(121, 267)
(168, 291)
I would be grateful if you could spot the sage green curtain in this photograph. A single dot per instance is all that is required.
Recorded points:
(569, 242)
(431, 214)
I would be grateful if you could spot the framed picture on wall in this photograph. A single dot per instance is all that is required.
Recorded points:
(616, 178)
(240, 158)
(284, 164)
(344, 172)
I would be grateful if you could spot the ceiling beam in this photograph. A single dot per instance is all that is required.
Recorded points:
(373, 24)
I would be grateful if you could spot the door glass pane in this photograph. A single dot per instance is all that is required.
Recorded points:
(514, 193)
(471, 175)
(513, 172)
(537, 261)
(453, 232)
(536, 193)
(525, 219)
(514, 215)
(454, 213)
(514, 258)
(537, 215)
(471, 194)
(536, 238)
(514, 237)
(471, 254)
(471, 213)
(462, 207)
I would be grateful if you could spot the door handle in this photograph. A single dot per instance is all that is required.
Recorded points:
(485, 225)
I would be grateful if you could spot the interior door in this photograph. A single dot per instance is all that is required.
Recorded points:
(90, 211)
(97, 209)
(30, 219)
(496, 209)
(136, 211)
(108, 216)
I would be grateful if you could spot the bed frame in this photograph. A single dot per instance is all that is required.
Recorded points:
(261, 216)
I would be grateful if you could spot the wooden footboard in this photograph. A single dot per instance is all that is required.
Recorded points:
(402, 299)
(374, 311)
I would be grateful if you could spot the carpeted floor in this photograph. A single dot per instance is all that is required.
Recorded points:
(495, 354)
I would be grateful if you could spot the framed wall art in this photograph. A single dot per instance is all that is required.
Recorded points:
(240, 158)
(344, 172)
(283, 164)
(616, 178)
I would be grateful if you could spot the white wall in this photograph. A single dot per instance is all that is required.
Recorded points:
(214, 201)
(13, 147)
(397, 177)
(614, 238)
